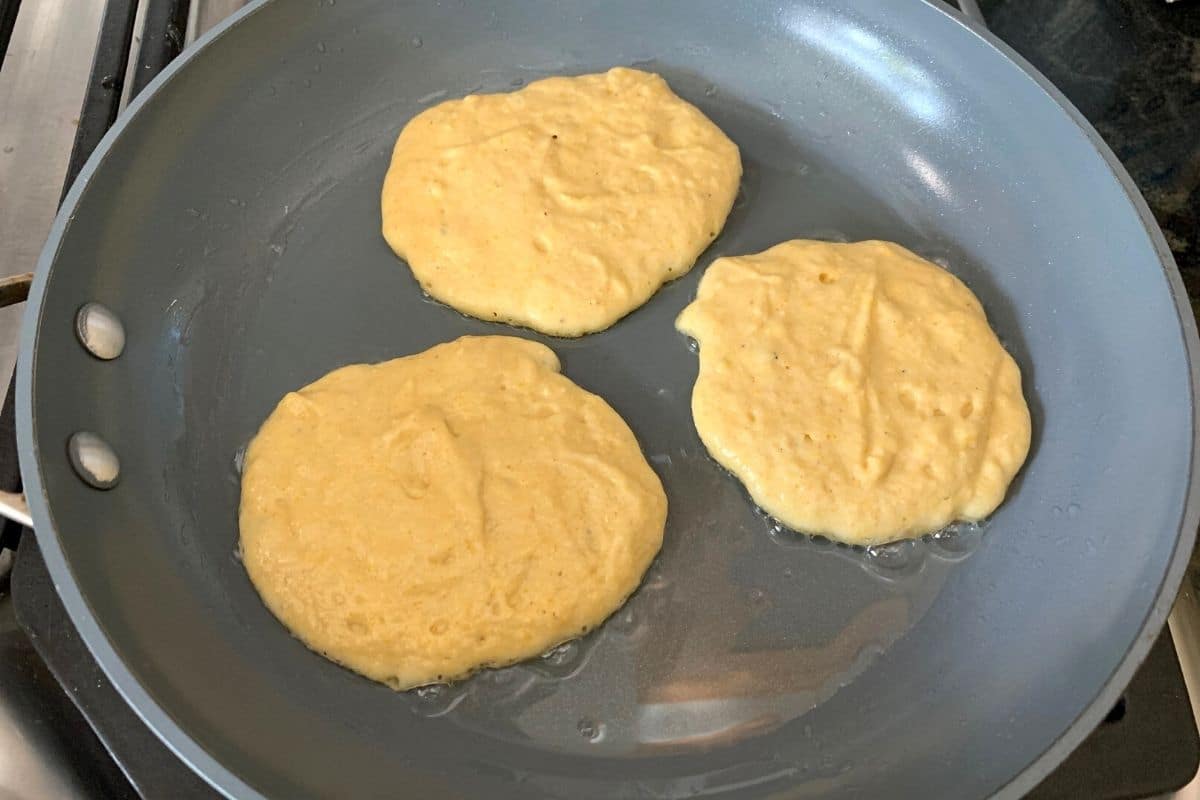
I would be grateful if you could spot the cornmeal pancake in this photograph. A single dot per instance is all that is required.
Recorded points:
(856, 390)
(563, 206)
(468, 506)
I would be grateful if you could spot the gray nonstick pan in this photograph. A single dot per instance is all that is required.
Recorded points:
(230, 223)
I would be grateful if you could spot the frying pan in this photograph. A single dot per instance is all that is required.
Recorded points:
(230, 222)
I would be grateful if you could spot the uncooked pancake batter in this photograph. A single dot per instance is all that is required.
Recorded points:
(468, 506)
(855, 389)
(563, 206)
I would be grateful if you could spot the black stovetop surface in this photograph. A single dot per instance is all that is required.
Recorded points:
(1133, 68)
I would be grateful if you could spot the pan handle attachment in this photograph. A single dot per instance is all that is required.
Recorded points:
(13, 290)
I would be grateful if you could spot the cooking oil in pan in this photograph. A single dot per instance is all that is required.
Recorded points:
(714, 658)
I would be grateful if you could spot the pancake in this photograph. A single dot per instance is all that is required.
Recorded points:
(560, 207)
(856, 390)
(417, 519)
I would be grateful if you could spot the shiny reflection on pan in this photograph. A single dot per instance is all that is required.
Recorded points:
(879, 61)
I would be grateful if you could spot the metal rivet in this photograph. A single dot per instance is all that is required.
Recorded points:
(94, 461)
(99, 331)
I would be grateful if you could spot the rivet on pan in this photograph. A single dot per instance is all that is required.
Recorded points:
(94, 461)
(99, 331)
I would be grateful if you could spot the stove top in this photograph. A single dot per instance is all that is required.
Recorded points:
(1131, 66)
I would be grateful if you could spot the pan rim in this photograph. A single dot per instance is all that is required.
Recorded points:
(1152, 624)
(229, 784)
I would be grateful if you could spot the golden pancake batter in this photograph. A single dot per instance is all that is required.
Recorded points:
(855, 389)
(563, 206)
(468, 506)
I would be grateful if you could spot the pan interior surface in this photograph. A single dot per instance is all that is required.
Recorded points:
(233, 226)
